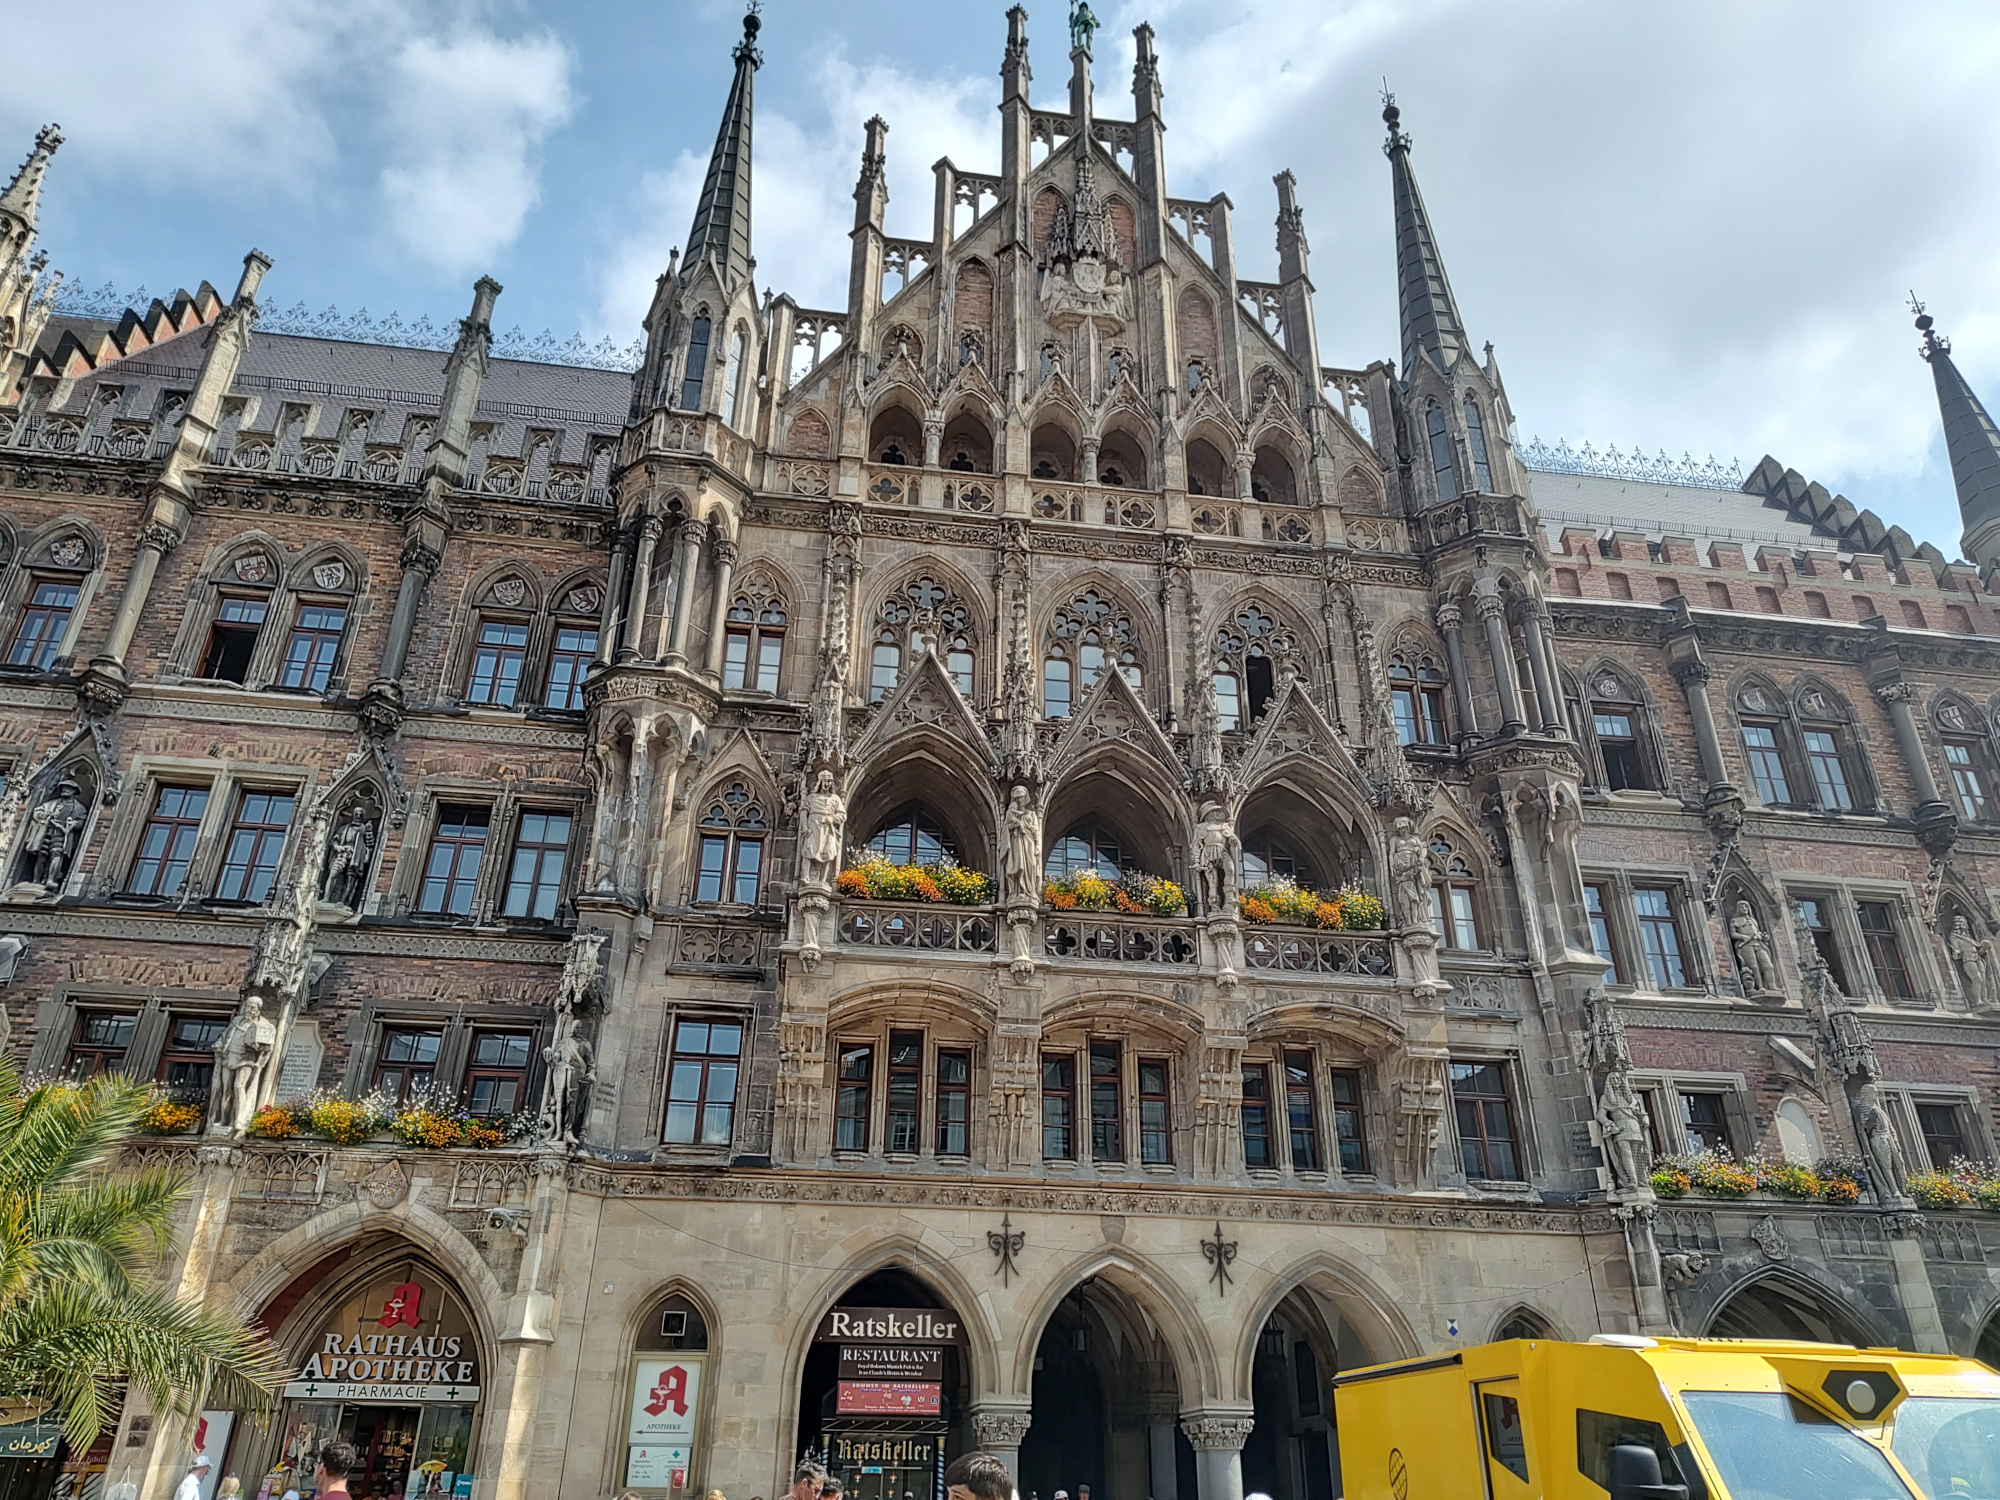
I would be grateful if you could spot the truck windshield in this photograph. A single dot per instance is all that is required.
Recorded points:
(1775, 1447)
(1950, 1445)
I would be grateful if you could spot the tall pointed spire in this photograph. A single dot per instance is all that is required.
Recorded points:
(1972, 441)
(23, 198)
(1431, 324)
(722, 218)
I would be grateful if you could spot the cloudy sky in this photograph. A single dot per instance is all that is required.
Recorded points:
(1685, 227)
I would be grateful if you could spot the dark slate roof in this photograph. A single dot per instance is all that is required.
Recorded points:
(1429, 314)
(1969, 437)
(722, 216)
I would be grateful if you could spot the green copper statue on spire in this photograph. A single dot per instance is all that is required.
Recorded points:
(1082, 27)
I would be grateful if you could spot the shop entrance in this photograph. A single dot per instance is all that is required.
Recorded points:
(403, 1451)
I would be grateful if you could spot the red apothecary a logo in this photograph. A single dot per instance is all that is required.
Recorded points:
(402, 1306)
(671, 1391)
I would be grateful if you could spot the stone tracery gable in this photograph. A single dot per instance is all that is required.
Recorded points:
(925, 697)
(1112, 713)
(1293, 727)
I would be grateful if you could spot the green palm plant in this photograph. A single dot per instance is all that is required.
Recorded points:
(82, 1313)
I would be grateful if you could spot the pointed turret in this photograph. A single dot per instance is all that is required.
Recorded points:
(1301, 336)
(722, 218)
(22, 201)
(1972, 442)
(1431, 324)
(27, 289)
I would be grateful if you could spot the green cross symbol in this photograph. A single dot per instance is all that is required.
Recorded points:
(312, 1389)
(451, 1392)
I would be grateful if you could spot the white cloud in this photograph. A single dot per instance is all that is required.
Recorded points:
(467, 115)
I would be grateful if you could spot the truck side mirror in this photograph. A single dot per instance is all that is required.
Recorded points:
(1635, 1475)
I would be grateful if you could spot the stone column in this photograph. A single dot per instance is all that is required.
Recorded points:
(155, 542)
(1936, 823)
(1160, 1449)
(420, 565)
(1451, 620)
(608, 616)
(1548, 693)
(680, 592)
(1243, 464)
(1692, 674)
(1913, 1282)
(1218, 1437)
(998, 1426)
(530, 1328)
(642, 577)
(724, 551)
(1086, 472)
(1493, 615)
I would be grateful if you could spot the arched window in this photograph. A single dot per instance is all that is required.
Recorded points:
(1090, 845)
(1475, 439)
(753, 643)
(1441, 464)
(1088, 634)
(1272, 481)
(922, 612)
(737, 372)
(1761, 717)
(912, 836)
(1267, 856)
(696, 369)
(1454, 912)
(1968, 756)
(1207, 474)
(732, 848)
(1416, 696)
(1826, 737)
(1248, 649)
(1616, 718)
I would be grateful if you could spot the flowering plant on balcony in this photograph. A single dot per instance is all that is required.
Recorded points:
(427, 1125)
(169, 1116)
(1938, 1190)
(345, 1122)
(1713, 1173)
(274, 1122)
(875, 879)
(1282, 899)
(1134, 893)
(1788, 1180)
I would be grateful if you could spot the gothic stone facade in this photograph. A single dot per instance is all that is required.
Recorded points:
(503, 727)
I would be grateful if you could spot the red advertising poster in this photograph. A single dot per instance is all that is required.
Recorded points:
(888, 1398)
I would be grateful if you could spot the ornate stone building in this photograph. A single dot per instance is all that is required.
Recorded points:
(516, 732)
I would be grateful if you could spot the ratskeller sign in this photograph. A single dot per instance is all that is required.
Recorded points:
(890, 1325)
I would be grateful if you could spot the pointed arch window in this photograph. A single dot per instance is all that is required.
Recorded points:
(737, 371)
(753, 642)
(1760, 716)
(912, 836)
(1248, 649)
(1617, 719)
(1968, 756)
(1089, 846)
(924, 612)
(696, 369)
(1416, 697)
(1442, 467)
(1454, 911)
(732, 848)
(1088, 634)
(1475, 439)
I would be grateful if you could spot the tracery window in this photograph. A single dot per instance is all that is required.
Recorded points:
(1764, 747)
(1088, 634)
(1831, 761)
(1475, 439)
(922, 611)
(753, 645)
(1266, 856)
(1454, 913)
(1442, 467)
(1247, 649)
(732, 848)
(1416, 697)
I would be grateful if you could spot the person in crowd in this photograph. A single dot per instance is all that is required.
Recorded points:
(807, 1480)
(197, 1476)
(336, 1462)
(831, 1489)
(978, 1476)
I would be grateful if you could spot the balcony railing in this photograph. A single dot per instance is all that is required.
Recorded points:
(1304, 950)
(937, 929)
(1095, 937)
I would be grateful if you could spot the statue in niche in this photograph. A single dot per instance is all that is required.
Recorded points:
(1410, 874)
(350, 855)
(823, 816)
(1975, 966)
(241, 1055)
(1622, 1120)
(54, 828)
(566, 1093)
(1755, 961)
(1021, 863)
(1878, 1140)
(1218, 855)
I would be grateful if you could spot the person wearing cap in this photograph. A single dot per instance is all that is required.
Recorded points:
(197, 1475)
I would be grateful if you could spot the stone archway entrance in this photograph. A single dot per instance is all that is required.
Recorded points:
(1106, 1405)
(1291, 1453)
(1988, 1348)
(1778, 1307)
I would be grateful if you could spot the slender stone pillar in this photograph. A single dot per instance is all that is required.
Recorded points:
(1218, 1438)
(724, 551)
(1896, 697)
(1548, 694)
(609, 617)
(642, 576)
(420, 565)
(998, 1426)
(155, 542)
(1451, 621)
(680, 592)
(1493, 615)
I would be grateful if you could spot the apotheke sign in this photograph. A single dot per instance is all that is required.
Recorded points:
(890, 1325)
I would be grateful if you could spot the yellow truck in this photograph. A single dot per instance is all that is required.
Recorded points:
(1670, 1419)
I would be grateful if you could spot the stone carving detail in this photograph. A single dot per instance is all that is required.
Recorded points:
(252, 567)
(53, 830)
(1218, 855)
(572, 1062)
(801, 1066)
(823, 831)
(510, 592)
(1002, 1430)
(384, 1187)
(1420, 1101)
(1770, 1238)
(330, 575)
(1974, 962)
(70, 552)
(1410, 875)
(350, 854)
(1878, 1140)
(585, 601)
(1216, 1434)
(1756, 962)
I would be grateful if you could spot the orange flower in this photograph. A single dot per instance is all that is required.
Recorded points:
(852, 883)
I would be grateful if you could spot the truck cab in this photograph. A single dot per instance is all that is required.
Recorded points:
(1633, 1418)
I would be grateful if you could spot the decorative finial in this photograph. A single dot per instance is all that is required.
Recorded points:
(1393, 118)
(753, 22)
(1933, 342)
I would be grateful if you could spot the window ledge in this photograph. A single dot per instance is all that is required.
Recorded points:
(1265, 1174)
(1164, 1169)
(1314, 1178)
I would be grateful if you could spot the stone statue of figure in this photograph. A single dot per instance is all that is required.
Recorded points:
(1218, 854)
(348, 859)
(572, 1070)
(1878, 1139)
(1622, 1121)
(1754, 958)
(824, 819)
(1410, 874)
(1021, 855)
(53, 830)
(1975, 968)
(241, 1055)
(1082, 27)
